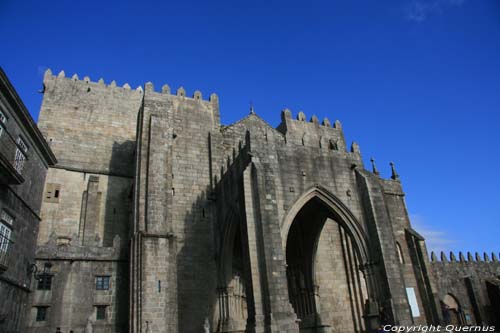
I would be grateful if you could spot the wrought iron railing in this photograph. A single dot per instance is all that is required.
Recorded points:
(11, 150)
(5, 249)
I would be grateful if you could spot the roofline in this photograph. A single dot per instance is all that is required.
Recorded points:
(26, 120)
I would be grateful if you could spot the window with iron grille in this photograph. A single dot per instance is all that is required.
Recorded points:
(6, 221)
(41, 313)
(102, 282)
(101, 312)
(3, 120)
(21, 151)
(45, 282)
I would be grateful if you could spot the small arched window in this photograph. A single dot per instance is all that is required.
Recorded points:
(400, 254)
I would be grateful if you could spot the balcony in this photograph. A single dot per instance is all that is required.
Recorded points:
(5, 247)
(10, 159)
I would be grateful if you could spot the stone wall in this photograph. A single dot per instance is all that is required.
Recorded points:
(87, 200)
(73, 298)
(466, 278)
(173, 183)
(90, 126)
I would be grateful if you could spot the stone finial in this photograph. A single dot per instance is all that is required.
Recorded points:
(452, 257)
(112, 84)
(485, 257)
(165, 89)
(355, 148)
(301, 116)
(252, 110)
(213, 97)
(197, 95)
(394, 174)
(126, 86)
(75, 77)
(374, 167)
(337, 125)
(433, 257)
(461, 256)
(101, 81)
(61, 74)
(326, 122)
(86, 79)
(149, 87)
(286, 114)
(469, 257)
(48, 72)
(314, 120)
(478, 257)
(181, 92)
(443, 257)
(493, 256)
(139, 88)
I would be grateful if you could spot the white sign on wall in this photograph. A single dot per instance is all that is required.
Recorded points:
(412, 299)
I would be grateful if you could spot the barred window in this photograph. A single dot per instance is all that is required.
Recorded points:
(45, 282)
(101, 312)
(6, 221)
(102, 282)
(41, 313)
(21, 151)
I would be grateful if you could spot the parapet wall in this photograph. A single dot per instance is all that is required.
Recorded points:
(313, 133)
(89, 125)
(476, 258)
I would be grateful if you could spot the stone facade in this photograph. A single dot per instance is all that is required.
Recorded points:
(206, 227)
(24, 160)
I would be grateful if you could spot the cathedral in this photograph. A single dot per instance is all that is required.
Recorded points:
(158, 218)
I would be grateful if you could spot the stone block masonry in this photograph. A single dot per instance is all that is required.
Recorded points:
(237, 228)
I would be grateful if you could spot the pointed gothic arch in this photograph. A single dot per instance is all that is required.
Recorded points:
(320, 235)
(338, 209)
(232, 308)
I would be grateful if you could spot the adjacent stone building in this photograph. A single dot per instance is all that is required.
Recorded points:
(24, 160)
(167, 221)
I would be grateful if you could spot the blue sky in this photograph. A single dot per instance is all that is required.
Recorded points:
(412, 81)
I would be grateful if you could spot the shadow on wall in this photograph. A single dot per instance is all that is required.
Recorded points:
(117, 220)
(196, 274)
(118, 205)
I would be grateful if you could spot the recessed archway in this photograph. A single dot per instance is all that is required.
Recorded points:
(232, 308)
(452, 311)
(325, 247)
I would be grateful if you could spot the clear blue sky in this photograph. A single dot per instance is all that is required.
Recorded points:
(413, 81)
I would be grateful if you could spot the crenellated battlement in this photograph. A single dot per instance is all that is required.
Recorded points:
(181, 93)
(286, 114)
(468, 258)
(148, 87)
(86, 80)
(313, 133)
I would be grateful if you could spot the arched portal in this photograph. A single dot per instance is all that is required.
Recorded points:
(325, 248)
(452, 311)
